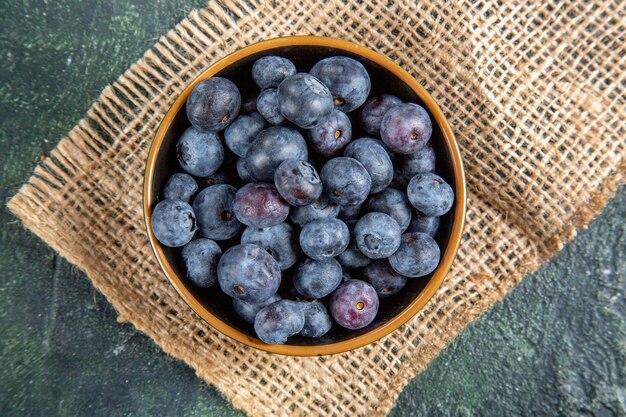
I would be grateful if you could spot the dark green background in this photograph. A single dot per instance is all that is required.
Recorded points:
(555, 346)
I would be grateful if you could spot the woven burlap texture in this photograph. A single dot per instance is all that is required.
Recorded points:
(534, 93)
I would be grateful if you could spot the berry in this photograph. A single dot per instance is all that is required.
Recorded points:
(220, 177)
(373, 111)
(346, 181)
(406, 128)
(324, 239)
(213, 104)
(249, 273)
(260, 205)
(242, 170)
(354, 304)
(352, 257)
(280, 241)
(248, 105)
(374, 159)
(173, 222)
(200, 153)
(298, 182)
(201, 257)
(240, 135)
(317, 321)
(270, 71)
(180, 187)
(267, 104)
(377, 235)
(383, 278)
(322, 208)
(271, 147)
(331, 134)
(422, 160)
(248, 311)
(214, 209)
(350, 214)
(317, 279)
(304, 100)
(430, 194)
(394, 203)
(346, 78)
(276, 322)
(417, 256)
(424, 224)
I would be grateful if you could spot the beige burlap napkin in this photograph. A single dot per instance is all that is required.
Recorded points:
(535, 95)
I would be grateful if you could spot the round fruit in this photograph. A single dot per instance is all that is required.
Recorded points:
(354, 304)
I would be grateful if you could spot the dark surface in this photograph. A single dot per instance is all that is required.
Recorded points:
(555, 346)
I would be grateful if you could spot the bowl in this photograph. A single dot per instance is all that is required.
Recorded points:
(215, 307)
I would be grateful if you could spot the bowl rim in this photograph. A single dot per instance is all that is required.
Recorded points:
(418, 303)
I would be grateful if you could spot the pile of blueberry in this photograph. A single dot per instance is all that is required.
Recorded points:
(297, 205)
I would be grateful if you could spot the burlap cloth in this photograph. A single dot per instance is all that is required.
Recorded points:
(534, 93)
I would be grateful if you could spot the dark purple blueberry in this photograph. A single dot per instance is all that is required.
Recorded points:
(180, 186)
(332, 134)
(377, 235)
(394, 203)
(420, 161)
(215, 212)
(213, 104)
(324, 239)
(249, 273)
(304, 100)
(346, 180)
(417, 256)
(260, 205)
(406, 128)
(248, 106)
(373, 111)
(240, 135)
(322, 208)
(276, 322)
(383, 278)
(280, 241)
(430, 194)
(267, 104)
(271, 147)
(201, 257)
(248, 311)
(317, 321)
(317, 279)
(200, 153)
(350, 214)
(422, 223)
(270, 71)
(173, 222)
(374, 159)
(354, 304)
(242, 170)
(346, 78)
(298, 182)
(352, 257)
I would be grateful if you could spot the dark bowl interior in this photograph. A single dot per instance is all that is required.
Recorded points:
(383, 81)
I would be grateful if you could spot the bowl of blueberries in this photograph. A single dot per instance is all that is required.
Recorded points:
(305, 196)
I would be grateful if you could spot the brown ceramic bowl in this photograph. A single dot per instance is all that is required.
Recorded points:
(214, 306)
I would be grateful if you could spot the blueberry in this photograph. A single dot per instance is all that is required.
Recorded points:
(304, 100)
(180, 187)
(424, 224)
(430, 194)
(200, 153)
(420, 161)
(406, 128)
(260, 205)
(270, 71)
(350, 214)
(347, 80)
(280, 241)
(248, 105)
(213, 104)
(346, 180)
(249, 273)
(279, 320)
(399, 181)
(354, 304)
(240, 135)
(271, 147)
(214, 209)
(201, 257)
(317, 279)
(377, 235)
(248, 311)
(322, 208)
(373, 111)
(331, 134)
(383, 278)
(267, 104)
(242, 170)
(298, 182)
(352, 257)
(375, 159)
(317, 321)
(324, 238)
(219, 177)
(394, 203)
(417, 256)
(173, 222)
